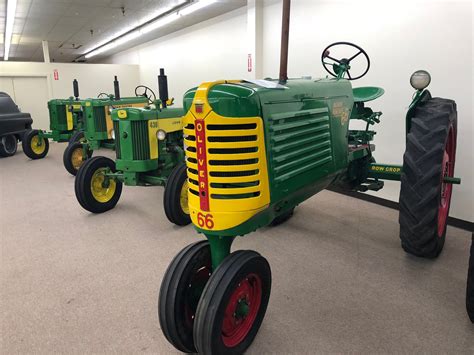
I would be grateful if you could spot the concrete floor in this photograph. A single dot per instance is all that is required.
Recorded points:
(73, 282)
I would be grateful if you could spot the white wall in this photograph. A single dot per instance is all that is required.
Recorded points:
(400, 37)
(212, 50)
(92, 78)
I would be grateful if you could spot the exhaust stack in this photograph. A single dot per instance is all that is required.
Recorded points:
(116, 88)
(163, 87)
(285, 34)
(75, 89)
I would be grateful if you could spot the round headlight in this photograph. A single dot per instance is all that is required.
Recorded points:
(420, 79)
(161, 135)
(110, 109)
(112, 133)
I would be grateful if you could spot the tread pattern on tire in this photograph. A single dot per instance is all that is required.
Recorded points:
(470, 284)
(26, 145)
(67, 156)
(214, 291)
(3, 150)
(82, 186)
(171, 197)
(169, 287)
(421, 177)
(76, 137)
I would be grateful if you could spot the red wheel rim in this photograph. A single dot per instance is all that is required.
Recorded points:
(446, 189)
(241, 310)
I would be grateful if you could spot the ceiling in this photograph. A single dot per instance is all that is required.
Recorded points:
(74, 27)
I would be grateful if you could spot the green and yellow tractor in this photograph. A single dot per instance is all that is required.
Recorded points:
(149, 152)
(66, 124)
(257, 149)
(98, 130)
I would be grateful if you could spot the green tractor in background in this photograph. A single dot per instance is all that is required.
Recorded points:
(98, 130)
(257, 149)
(66, 125)
(149, 152)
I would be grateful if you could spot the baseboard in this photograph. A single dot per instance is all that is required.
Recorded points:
(452, 221)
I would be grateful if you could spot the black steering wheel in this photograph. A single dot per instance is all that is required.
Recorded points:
(344, 62)
(103, 95)
(142, 90)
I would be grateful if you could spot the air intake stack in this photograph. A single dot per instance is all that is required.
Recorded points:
(163, 87)
(75, 89)
(116, 88)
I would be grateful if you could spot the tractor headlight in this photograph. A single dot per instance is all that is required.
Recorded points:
(161, 135)
(112, 134)
(420, 79)
(110, 109)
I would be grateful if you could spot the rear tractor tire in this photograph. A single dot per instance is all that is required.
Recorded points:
(470, 284)
(175, 199)
(424, 197)
(73, 157)
(94, 191)
(34, 146)
(8, 145)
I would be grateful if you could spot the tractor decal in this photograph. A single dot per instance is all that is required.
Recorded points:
(202, 165)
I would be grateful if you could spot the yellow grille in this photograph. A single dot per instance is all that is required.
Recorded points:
(236, 163)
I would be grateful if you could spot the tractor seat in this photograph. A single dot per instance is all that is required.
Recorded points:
(367, 93)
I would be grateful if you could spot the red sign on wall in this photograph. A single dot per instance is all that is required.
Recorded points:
(249, 63)
(56, 74)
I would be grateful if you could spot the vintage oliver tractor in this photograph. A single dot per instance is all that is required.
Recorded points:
(98, 130)
(65, 122)
(149, 151)
(255, 150)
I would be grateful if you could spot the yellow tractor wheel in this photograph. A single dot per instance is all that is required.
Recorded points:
(74, 157)
(34, 146)
(175, 199)
(95, 190)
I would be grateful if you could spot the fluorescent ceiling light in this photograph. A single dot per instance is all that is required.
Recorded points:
(196, 6)
(160, 23)
(11, 10)
(120, 39)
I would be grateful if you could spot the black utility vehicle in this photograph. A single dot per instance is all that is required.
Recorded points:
(13, 125)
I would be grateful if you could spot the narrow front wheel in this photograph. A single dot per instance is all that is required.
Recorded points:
(95, 190)
(35, 146)
(180, 292)
(73, 157)
(233, 304)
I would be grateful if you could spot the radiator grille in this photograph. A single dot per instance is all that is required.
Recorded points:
(301, 141)
(118, 151)
(140, 141)
(99, 119)
(61, 114)
(234, 160)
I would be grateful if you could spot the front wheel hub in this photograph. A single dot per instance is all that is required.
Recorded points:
(242, 310)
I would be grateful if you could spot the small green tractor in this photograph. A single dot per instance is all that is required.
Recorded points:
(98, 130)
(66, 125)
(149, 152)
(257, 149)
